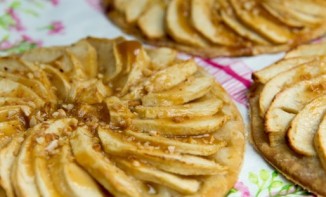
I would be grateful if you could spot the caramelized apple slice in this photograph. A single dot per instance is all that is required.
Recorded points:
(113, 143)
(22, 173)
(178, 26)
(106, 56)
(86, 54)
(150, 174)
(69, 178)
(185, 127)
(151, 22)
(305, 125)
(171, 76)
(101, 168)
(179, 146)
(16, 101)
(207, 107)
(320, 142)
(307, 50)
(134, 9)
(206, 20)
(288, 103)
(7, 158)
(46, 143)
(59, 80)
(43, 55)
(275, 85)
(161, 57)
(13, 65)
(267, 73)
(33, 84)
(265, 26)
(183, 93)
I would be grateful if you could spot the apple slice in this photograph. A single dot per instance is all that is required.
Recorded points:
(265, 26)
(13, 89)
(171, 76)
(150, 174)
(305, 125)
(7, 158)
(190, 90)
(37, 86)
(206, 20)
(195, 148)
(161, 57)
(151, 22)
(106, 56)
(13, 65)
(134, 9)
(43, 55)
(275, 85)
(267, 73)
(59, 80)
(22, 173)
(100, 167)
(86, 54)
(69, 178)
(288, 103)
(113, 143)
(320, 142)
(16, 101)
(317, 49)
(206, 107)
(178, 26)
(196, 126)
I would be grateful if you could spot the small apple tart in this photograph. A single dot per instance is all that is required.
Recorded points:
(211, 28)
(288, 116)
(111, 118)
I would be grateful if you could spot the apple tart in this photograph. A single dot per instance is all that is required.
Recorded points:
(211, 28)
(110, 118)
(288, 116)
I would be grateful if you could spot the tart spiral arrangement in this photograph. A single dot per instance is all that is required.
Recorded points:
(111, 118)
(288, 116)
(211, 28)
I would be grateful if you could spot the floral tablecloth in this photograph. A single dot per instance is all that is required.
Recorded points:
(25, 24)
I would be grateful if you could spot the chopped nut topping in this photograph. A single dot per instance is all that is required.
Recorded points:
(135, 163)
(171, 149)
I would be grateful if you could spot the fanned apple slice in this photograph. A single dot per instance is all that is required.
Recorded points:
(207, 21)
(267, 73)
(150, 174)
(47, 141)
(265, 26)
(120, 5)
(231, 20)
(171, 76)
(7, 158)
(161, 57)
(288, 103)
(86, 54)
(151, 22)
(305, 125)
(70, 179)
(134, 9)
(43, 55)
(13, 89)
(59, 80)
(37, 86)
(207, 107)
(16, 101)
(183, 93)
(320, 142)
(317, 49)
(14, 112)
(275, 85)
(10, 128)
(185, 127)
(178, 26)
(316, 8)
(13, 65)
(179, 146)
(106, 56)
(22, 173)
(100, 167)
(113, 143)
